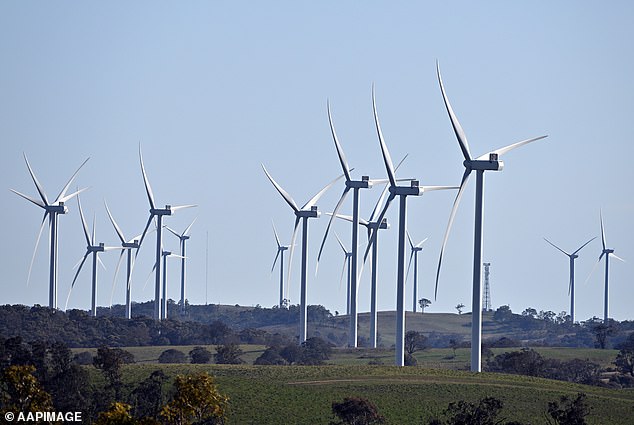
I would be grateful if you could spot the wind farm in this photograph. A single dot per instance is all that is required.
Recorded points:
(207, 126)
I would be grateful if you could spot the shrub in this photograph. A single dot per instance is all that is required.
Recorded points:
(172, 356)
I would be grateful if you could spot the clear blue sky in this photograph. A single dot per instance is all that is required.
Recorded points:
(214, 89)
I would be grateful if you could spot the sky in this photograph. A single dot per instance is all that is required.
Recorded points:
(213, 90)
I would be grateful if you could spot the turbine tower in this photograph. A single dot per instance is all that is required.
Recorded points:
(355, 185)
(486, 162)
(91, 248)
(51, 210)
(127, 247)
(414, 189)
(571, 285)
(182, 237)
(346, 263)
(308, 210)
(415, 249)
(607, 252)
(166, 255)
(280, 253)
(157, 213)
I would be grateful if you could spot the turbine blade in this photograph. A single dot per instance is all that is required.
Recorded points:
(349, 218)
(37, 243)
(81, 264)
(409, 264)
(570, 286)
(149, 221)
(374, 233)
(287, 197)
(432, 188)
(617, 257)
(509, 148)
(319, 194)
(334, 213)
(182, 207)
(28, 198)
(83, 222)
(188, 228)
(452, 215)
(277, 238)
(581, 247)
(62, 194)
(343, 248)
(38, 185)
(114, 280)
(114, 223)
(172, 231)
(148, 276)
(71, 196)
(101, 263)
(560, 248)
(275, 261)
(343, 271)
(342, 157)
(419, 244)
(409, 238)
(457, 128)
(291, 250)
(93, 239)
(602, 229)
(387, 159)
(593, 269)
(379, 202)
(148, 188)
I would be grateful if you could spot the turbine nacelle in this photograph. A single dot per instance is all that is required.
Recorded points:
(383, 224)
(313, 212)
(131, 245)
(60, 208)
(364, 183)
(492, 164)
(161, 211)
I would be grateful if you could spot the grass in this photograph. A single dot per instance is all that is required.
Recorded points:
(303, 395)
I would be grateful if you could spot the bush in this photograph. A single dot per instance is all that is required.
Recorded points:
(270, 356)
(356, 411)
(228, 354)
(172, 356)
(200, 355)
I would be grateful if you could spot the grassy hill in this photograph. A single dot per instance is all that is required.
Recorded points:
(303, 395)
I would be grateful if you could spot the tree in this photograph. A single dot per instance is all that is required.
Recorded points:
(118, 414)
(228, 354)
(424, 303)
(22, 391)
(485, 412)
(503, 313)
(530, 312)
(148, 396)
(567, 411)
(291, 353)
(109, 361)
(601, 333)
(454, 344)
(356, 411)
(270, 356)
(314, 351)
(459, 307)
(197, 400)
(414, 341)
(172, 355)
(200, 355)
(625, 361)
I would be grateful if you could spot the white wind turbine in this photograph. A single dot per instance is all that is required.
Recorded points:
(127, 247)
(414, 189)
(280, 253)
(157, 213)
(308, 210)
(93, 248)
(51, 210)
(373, 246)
(415, 249)
(571, 286)
(355, 185)
(607, 252)
(182, 237)
(346, 265)
(486, 162)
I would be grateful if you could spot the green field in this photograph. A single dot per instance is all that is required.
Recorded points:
(411, 395)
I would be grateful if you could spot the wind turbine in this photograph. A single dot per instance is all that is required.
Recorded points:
(414, 189)
(183, 237)
(308, 210)
(415, 249)
(51, 210)
(373, 244)
(608, 252)
(486, 162)
(355, 185)
(346, 263)
(157, 213)
(166, 255)
(280, 253)
(91, 248)
(571, 286)
(127, 247)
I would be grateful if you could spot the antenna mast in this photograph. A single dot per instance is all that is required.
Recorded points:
(486, 305)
